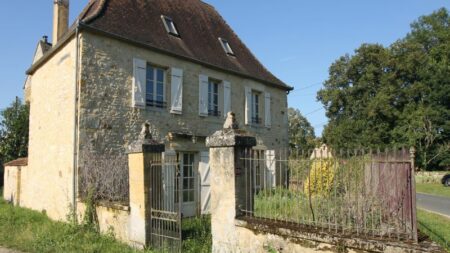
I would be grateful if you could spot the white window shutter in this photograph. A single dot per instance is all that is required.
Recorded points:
(248, 105)
(226, 98)
(271, 168)
(268, 116)
(139, 78)
(177, 91)
(205, 183)
(203, 95)
(169, 172)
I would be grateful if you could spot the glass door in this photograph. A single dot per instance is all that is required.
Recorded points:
(188, 179)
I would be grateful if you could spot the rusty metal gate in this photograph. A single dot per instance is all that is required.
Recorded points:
(165, 205)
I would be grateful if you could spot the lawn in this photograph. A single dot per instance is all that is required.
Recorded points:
(31, 231)
(433, 189)
(435, 226)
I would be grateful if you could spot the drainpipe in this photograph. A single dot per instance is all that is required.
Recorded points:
(76, 123)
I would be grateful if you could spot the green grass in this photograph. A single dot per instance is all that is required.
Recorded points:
(433, 189)
(437, 227)
(197, 236)
(31, 231)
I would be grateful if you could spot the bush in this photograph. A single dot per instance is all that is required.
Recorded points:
(320, 178)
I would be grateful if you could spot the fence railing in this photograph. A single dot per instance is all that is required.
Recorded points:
(357, 192)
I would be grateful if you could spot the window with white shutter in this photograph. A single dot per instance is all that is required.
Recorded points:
(176, 91)
(267, 107)
(139, 83)
(203, 95)
(226, 98)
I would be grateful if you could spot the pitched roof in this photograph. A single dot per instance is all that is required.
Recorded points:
(198, 23)
(18, 162)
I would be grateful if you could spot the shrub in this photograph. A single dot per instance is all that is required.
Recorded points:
(320, 178)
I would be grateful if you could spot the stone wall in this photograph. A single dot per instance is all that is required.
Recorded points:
(48, 181)
(112, 219)
(109, 121)
(12, 184)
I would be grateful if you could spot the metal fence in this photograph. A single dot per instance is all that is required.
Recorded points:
(362, 192)
(165, 205)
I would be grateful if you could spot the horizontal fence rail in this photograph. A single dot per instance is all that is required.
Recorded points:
(359, 192)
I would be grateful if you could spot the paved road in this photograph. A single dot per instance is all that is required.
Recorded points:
(433, 203)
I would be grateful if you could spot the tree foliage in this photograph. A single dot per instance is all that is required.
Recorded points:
(396, 95)
(301, 133)
(14, 131)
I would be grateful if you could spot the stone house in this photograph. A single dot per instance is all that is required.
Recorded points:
(175, 64)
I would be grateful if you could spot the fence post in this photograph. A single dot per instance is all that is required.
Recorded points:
(228, 185)
(141, 155)
(412, 153)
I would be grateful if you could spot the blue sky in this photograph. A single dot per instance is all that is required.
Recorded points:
(296, 40)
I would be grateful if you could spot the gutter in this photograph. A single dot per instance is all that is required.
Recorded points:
(83, 26)
(77, 88)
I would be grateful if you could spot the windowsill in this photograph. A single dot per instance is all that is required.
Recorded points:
(155, 109)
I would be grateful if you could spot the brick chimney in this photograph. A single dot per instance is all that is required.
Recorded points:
(60, 19)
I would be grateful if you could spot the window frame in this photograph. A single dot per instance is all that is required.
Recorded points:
(226, 46)
(213, 97)
(170, 26)
(154, 102)
(256, 107)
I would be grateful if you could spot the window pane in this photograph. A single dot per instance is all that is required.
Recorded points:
(160, 75)
(185, 196)
(150, 73)
(191, 196)
(160, 92)
(185, 171)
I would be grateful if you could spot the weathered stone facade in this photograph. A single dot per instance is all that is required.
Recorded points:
(108, 119)
(48, 182)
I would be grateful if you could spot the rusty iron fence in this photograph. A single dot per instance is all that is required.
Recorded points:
(364, 193)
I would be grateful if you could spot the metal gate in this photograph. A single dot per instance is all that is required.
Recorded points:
(165, 205)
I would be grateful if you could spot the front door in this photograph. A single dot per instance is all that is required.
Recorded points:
(188, 177)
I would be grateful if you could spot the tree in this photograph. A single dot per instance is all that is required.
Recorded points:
(14, 131)
(301, 133)
(399, 95)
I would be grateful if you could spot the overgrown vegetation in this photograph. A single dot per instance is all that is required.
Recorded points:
(31, 231)
(197, 236)
(396, 95)
(103, 176)
(343, 194)
(435, 226)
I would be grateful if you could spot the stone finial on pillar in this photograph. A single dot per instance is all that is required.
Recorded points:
(145, 142)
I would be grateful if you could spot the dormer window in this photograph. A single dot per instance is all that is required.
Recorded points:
(226, 46)
(170, 26)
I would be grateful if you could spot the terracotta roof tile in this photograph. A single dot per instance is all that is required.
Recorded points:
(198, 23)
(18, 162)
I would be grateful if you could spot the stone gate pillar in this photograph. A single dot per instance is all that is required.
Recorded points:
(142, 154)
(228, 181)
